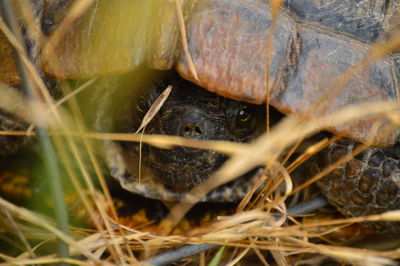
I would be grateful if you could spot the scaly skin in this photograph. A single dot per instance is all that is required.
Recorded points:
(365, 185)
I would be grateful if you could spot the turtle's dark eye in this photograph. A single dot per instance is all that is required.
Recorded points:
(244, 114)
(141, 105)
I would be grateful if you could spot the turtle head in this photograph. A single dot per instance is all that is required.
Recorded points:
(194, 113)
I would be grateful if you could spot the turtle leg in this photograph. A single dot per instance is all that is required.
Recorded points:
(367, 184)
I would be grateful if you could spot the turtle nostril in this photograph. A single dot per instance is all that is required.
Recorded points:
(188, 130)
(197, 131)
(191, 130)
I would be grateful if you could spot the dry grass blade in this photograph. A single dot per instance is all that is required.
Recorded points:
(312, 150)
(164, 141)
(66, 98)
(17, 133)
(14, 102)
(386, 216)
(256, 230)
(60, 123)
(35, 77)
(330, 168)
(161, 141)
(24, 64)
(155, 107)
(275, 7)
(185, 47)
(43, 260)
(38, 221)
(83, 168)
(33, 26)
(239, 257)
(20, 235)
(352, 255)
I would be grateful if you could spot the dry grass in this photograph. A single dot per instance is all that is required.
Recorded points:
(253, 230)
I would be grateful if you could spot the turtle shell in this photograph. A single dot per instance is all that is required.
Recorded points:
(320, 59)
(314, 51)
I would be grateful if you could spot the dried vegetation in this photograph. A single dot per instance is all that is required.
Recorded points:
(262, 228)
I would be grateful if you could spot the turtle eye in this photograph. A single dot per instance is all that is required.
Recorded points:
(141, 105)
(244, 114)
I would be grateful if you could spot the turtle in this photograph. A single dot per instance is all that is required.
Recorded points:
(312, 43)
